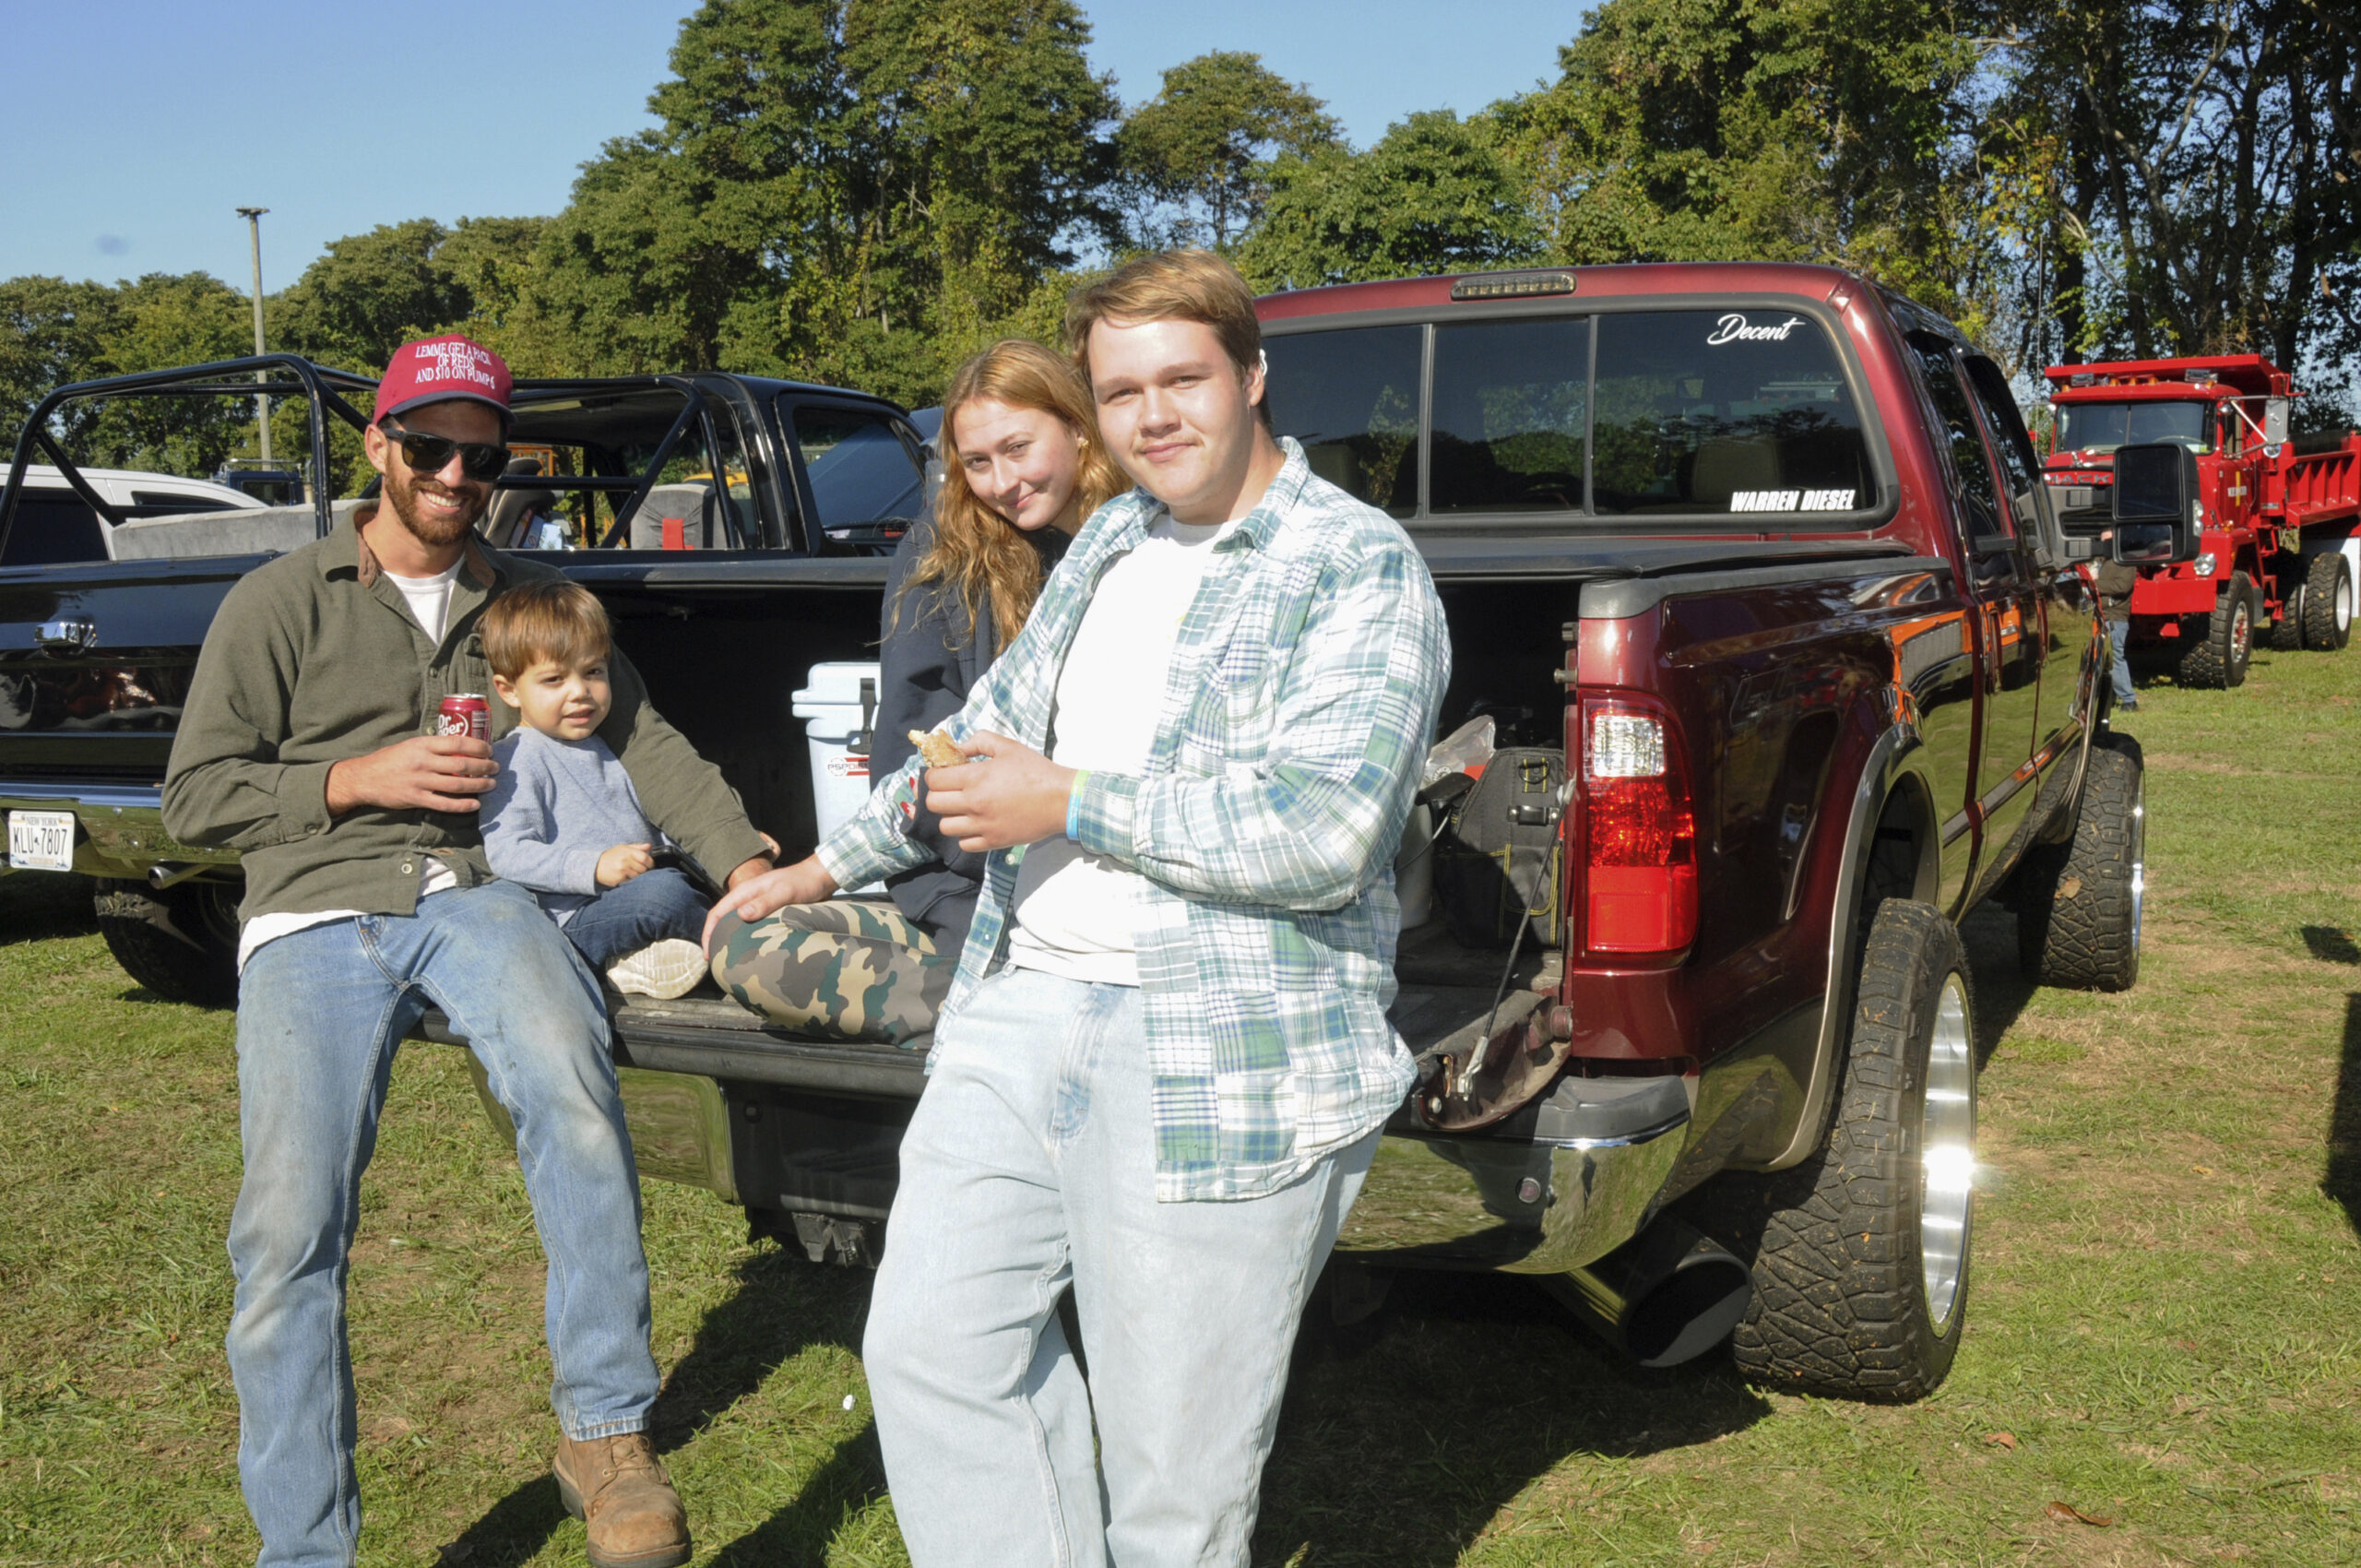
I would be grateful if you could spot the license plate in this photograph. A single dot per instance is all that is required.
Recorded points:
(40, 840)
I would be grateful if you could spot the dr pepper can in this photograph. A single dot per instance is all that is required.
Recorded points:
(465, 713)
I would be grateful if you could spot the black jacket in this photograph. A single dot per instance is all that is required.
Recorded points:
(929, 661)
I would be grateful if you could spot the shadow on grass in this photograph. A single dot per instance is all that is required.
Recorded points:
(36, 904)
(782, 1306)
(1402, 1439)
(853, 1477)
(2341, 1181)
(2331, 945)
(2001, 990)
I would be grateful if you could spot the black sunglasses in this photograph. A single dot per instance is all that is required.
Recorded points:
(430, 454)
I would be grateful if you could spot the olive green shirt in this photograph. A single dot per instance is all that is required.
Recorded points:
(314, 657)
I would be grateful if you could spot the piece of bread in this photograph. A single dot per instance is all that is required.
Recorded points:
(936, 747)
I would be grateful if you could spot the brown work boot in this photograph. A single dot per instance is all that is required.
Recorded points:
(618, 1488)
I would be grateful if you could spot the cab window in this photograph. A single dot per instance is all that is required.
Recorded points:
(1511, 407)
(867, 484)
(2103, 427)
(1724, 411)
(1351, 396)
(1938, 376)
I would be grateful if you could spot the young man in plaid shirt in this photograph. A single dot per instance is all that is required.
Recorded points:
(1160, 1074)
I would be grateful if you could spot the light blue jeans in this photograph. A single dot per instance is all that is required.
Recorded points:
(2118, 637)
(1030, 1166)
(320, 1013)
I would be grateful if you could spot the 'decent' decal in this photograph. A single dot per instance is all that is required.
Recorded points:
(1791, 501)
(1735, 328)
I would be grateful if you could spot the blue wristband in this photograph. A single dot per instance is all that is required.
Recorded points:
(1074, 806)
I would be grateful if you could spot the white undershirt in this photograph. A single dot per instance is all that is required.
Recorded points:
(429, 605)
(1076, 913)
(429, 597)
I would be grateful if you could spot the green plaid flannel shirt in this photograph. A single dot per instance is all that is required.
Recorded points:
(1303, 693)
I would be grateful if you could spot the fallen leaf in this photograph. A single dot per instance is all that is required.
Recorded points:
(2068, 887)
(2007, 1439)
(2062, 1512)
(2202, 1169)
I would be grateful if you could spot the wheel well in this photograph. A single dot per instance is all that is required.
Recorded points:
(1902, 863)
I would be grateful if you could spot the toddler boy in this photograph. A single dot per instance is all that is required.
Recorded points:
(562, 818)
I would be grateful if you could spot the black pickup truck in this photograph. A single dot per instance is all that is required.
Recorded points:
(1755, 560)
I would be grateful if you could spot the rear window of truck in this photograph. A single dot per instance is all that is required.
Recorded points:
(1716, 412)
(863, 476)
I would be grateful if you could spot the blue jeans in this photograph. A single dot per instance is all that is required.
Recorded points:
(1030, 1166)
(320, 1013)
(2118, 637)
(624, 918)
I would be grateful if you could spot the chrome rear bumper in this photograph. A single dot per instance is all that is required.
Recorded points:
(123, 826)
(1556, 1187)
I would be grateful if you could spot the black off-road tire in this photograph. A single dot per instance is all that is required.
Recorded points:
(2287, 631)
(2219, 659)
(1842, 1304)
(2327, 602)
(181, 942)
(2079, 903)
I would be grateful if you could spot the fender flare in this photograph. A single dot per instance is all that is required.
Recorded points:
(1897, 764)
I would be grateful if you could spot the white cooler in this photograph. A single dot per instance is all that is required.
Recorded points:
(838, 707)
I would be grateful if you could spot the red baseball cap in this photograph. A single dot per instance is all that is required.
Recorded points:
(433, 370)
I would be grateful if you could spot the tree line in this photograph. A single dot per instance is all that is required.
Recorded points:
(862, 192)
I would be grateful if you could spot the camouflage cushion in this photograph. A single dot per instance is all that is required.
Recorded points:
(850, 968)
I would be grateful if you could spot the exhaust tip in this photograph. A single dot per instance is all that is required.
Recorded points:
(1690, 1312)
(1666, 1295)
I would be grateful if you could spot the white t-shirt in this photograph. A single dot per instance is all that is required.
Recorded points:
(1076, 913)
(429, 605)
(429, 597)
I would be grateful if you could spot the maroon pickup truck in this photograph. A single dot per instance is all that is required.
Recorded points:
(1787, 664)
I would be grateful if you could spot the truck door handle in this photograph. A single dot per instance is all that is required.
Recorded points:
(71, 635)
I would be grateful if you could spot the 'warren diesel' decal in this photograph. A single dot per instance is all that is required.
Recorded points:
(1791, 501)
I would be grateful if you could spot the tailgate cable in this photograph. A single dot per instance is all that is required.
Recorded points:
(1483, 1047)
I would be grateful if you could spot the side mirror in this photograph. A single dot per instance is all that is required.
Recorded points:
(2274, 421)
(2155, 505)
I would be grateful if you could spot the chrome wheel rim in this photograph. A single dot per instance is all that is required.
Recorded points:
(2138, 857)
(2344, 602)
(1947, 1154)
(2241, 631)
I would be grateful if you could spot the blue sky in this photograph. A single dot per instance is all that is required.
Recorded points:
(131, 128)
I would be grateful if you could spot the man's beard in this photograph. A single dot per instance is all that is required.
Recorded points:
(401, 493)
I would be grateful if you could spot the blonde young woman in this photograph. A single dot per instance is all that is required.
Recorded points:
(1022, 469)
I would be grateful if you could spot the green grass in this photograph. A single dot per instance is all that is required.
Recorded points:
(2162, 1320)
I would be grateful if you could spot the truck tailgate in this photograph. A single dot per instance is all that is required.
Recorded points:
(95, 664)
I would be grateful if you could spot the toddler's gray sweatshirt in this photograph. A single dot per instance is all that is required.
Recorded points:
(555, 808)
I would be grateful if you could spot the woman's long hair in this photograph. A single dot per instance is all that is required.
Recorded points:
(976, 549)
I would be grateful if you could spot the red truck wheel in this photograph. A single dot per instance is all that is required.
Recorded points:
(181, 942)
(2079, 903)
(2327, 602)
(2219, 659)
(1860, 1281)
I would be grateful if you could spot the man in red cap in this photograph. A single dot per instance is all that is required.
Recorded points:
(308, 744)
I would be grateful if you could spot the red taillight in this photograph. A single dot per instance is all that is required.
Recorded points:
(1638, 834)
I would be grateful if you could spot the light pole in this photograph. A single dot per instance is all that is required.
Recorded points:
(253, 215)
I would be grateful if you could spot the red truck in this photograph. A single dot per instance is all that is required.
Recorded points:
(1755, 566)
(2281, 543)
